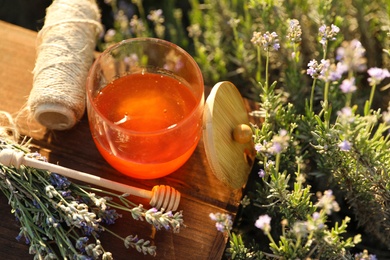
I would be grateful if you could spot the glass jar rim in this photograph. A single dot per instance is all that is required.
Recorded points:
(199, 97)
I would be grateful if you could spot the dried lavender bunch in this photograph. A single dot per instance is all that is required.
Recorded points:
(62, 220)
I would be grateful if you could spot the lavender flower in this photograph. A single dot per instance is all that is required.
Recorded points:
(348, 85)
(137, 26)
(52, 222)
(131, 61)
(81, 242)
(329, 72)
(264, 223)
(23, 234)
(279, 142)
(194, 31)
(107, 256)
(315, 222)
(377, 75)
(257, 38)
(233, 22)
(314, 69)
(328, 33)
(344, 146)
(386, 115)
(156, 16)
(64, 220)
(122, 20)
(109, 216)
(137, 212)
(276, 148)
(261, 173)
(300, 228)
(109, 35)
(365, 256)
(341, 68)
(66, 194)
(269, 165)
(316, 215)
(261, 147)
(78, 215)
(294, 31)
(98, 201)
(327, 202)
(94, 250)
(140, 245)
(346, 115)
(50, 191)
(166, 220)
(36, 156)
(59, 181)
(223, 221)
(351, 55)
(158, 19)
(325, 69)
(266, 40)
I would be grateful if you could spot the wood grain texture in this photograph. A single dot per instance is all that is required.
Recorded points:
(230, 160)
(202, 193)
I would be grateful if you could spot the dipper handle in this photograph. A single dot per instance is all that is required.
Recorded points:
(160, 196)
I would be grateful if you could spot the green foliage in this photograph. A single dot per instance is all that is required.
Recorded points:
(238, 249)
(323, 125)
(363, 171)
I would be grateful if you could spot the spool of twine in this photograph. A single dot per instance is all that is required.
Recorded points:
(65, 48)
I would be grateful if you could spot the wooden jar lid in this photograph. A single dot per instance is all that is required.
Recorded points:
(230, 161)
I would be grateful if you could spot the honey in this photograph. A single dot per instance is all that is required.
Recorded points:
(146, 110)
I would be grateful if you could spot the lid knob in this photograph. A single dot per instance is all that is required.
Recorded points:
(242, 133)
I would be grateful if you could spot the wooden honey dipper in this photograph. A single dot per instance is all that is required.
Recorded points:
(161, 196)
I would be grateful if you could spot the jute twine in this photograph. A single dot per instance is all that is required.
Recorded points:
(65, 48)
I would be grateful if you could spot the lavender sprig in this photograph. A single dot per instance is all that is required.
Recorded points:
(60, 219)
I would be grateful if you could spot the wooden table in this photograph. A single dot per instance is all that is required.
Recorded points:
(202, 193)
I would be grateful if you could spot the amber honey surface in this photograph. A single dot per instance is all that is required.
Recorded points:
(148, 137)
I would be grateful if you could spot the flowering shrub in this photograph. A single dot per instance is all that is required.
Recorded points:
(349, 148)
(315, 68)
